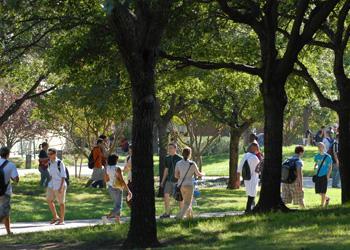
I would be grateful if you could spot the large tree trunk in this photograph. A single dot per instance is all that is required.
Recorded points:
(235, 135)
(143, 228)
(163, 143)
(274, 104)
(344, 156)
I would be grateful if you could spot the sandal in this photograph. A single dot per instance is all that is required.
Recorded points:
(60, 223)
(53, 221)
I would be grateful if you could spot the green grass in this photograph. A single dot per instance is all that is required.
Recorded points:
(313, 229)
(29, 202)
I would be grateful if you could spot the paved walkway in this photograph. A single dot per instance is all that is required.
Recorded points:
(31, 227)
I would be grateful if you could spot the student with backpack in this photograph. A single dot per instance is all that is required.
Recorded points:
(8, 172)
(292, 179)
(335, 169)
(323, 164)
(97, 161)
(246, 169)
(57, 187)
(328, 141)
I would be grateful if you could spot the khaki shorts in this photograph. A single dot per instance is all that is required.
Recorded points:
(291, 194)
(169, 187)
(52, 194)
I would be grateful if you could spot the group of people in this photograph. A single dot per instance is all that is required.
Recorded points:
(326, 165)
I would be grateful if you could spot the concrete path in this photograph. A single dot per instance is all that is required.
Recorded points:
(31, 227)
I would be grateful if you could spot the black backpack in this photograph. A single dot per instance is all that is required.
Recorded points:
(67, 179)
(91, 161)
(289, 171)
(246, 174)
(3, 184)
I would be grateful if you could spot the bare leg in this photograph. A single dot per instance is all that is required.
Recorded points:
(53, 209)
(62, 211)
(7, 224)
(323, 200)
(167, 203)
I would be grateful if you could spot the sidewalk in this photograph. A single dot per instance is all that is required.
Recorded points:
(31, 227)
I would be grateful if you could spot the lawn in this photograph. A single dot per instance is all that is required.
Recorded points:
(217, 165)
(85, 203)
(311, 229)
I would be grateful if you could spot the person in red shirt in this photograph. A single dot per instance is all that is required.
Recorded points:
(97, 177)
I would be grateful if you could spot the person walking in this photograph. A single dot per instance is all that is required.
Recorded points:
(115, 185)
(169, 179)
(293, 192)
(328, 141)
(43, 165)
(246, 169)
(97, 177)
(335, 169)
(323, 164)
(57, 187)
(185, 169)
(128, 167)
(8, 173)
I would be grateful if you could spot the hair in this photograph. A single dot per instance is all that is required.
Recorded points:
(321, 144)
(99, 141)
(102, 137)
(44, 144)
(52, 150)
(299, 149)
(186, 153)
(172, 144)
(4, 152)
(253, 144)
(112, 159)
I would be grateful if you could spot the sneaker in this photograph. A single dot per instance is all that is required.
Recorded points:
(164, 216)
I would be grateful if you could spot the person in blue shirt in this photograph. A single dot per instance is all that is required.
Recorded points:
(323, 164)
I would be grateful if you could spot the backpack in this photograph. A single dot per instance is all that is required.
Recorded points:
(91, 161)
(3, 184)
(67, 179)
(289, 171)
(246, 174)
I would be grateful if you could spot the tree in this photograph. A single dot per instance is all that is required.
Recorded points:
(277, 58)
(19, 126)
(138, 28)
(234, 103)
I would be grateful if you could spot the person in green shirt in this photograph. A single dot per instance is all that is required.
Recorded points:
(169, 181)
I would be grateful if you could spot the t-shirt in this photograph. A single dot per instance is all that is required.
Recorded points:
(328, 142)
(56, 175)
(10, 171)
(326, 165)
(252, 184)
(170, 163)
(43, 154)
(99, 158)
(298, 162)
(112, 172)
(183, 166)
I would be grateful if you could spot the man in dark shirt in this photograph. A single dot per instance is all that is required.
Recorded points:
(44, 164)
(169, 181)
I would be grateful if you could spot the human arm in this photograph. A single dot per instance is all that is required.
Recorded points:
(197, 172)
(177, 172)
(14, 175)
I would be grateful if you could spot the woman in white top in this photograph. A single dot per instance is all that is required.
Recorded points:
(115, 184)
(185, 169)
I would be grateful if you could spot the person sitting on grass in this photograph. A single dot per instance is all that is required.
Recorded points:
(251, 182)
(57, 187)
(323, 164)
(293, 192)
(116, 184)
(9, 172)
(185, 169)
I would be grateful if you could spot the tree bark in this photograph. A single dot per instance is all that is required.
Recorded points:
(235, 135)
(163, 143)
(344, 156)
(275, 101)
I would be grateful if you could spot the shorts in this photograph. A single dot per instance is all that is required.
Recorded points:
(291, 194)
(321, 185)
(169, 187)
(5, 206)
(52, 194)
(97, 174)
